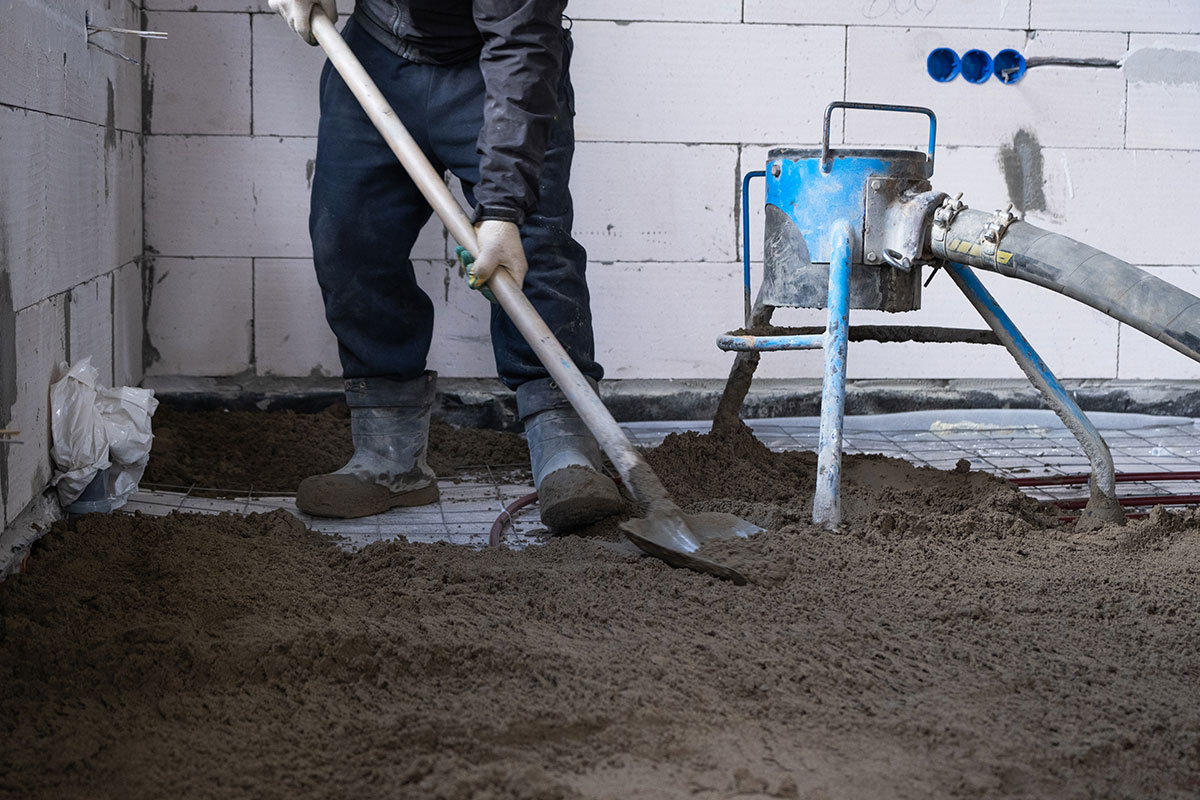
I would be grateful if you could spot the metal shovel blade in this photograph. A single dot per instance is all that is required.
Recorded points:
(667, 533)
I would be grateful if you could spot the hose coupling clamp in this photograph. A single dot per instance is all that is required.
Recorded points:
(944, 216)
(994, 232)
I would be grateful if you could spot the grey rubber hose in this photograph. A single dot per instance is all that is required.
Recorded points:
(1093, 277)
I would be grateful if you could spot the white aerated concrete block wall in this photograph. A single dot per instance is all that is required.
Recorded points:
(70, 217)
(677, 99)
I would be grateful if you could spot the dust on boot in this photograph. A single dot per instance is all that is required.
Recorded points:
(572, 492)
(389, 422)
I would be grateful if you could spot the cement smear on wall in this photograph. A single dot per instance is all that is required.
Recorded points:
(8, 368)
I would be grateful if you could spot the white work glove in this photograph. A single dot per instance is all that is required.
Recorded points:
(297, 12)
(499, 246)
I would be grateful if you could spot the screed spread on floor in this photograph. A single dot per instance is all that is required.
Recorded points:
(955, 640)
(228, 452)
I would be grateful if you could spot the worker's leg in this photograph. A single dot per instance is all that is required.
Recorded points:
(365, 216)
(564, 455)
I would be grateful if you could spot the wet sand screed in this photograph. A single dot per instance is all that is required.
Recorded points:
(953, 641)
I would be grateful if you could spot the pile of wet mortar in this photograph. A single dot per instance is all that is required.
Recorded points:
(953, 641)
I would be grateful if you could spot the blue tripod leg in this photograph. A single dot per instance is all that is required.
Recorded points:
(827, 503)
(1103, 506)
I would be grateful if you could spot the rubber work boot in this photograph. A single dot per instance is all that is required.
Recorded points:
(389, 422)
(572, 492)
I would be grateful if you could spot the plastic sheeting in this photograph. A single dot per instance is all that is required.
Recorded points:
(94, 428)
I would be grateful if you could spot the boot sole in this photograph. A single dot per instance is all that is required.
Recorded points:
(574, 497)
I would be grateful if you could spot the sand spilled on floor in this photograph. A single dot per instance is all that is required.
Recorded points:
(953, 641)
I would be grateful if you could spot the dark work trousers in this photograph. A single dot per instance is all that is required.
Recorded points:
(366, 213)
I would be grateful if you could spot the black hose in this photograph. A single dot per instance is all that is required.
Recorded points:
(1093, 277)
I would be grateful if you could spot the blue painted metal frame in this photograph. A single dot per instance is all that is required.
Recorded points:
(835, 341)
(828, 207)
(799, 342)
(1103, 505)
(827, 502)
(746, 241)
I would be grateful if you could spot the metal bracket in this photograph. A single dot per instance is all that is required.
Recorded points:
(897, 259)
(881, 195)
(943, 218)
(994, 232)
(897, 212)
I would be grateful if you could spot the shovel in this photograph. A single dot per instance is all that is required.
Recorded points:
(665, 531)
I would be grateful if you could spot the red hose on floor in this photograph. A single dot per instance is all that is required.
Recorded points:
(1131, 501)
(1123, 477)
(506, 515)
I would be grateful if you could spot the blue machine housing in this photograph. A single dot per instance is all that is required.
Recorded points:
(803, 202)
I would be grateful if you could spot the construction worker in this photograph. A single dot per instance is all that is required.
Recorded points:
(483, 87)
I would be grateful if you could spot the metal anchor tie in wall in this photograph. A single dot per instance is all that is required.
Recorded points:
(94, 29)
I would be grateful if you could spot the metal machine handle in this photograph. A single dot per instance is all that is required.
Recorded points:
(826, 157)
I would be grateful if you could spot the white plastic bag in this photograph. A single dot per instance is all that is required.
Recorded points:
(94, 428)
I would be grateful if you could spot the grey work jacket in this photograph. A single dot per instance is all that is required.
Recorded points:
(519, 45)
